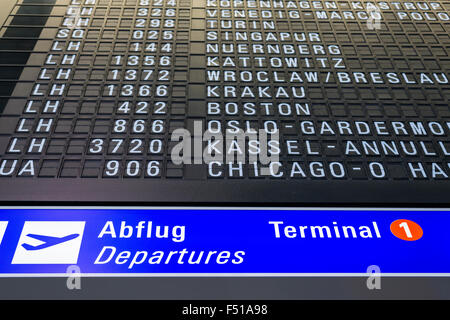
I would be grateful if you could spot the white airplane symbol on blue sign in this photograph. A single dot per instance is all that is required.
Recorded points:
(48, 241)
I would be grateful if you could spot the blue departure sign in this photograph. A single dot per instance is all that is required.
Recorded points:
(224, 241)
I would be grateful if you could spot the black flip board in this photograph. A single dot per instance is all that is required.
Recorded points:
(281, 102)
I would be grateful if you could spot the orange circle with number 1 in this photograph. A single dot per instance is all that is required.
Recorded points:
(406, 230)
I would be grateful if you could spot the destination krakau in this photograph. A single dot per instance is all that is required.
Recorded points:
(130, 235)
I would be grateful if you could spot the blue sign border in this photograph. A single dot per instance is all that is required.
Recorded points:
(244, 240)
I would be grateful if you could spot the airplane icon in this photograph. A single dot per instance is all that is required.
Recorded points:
(48, 241)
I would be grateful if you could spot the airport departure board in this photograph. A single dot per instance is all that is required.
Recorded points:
(220, 101)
